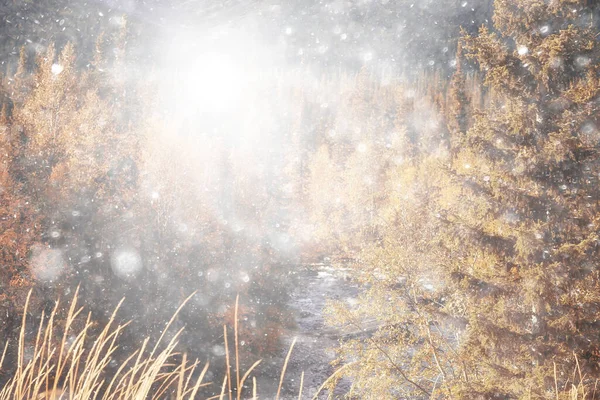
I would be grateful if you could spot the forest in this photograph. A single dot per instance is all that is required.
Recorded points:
(355, 200)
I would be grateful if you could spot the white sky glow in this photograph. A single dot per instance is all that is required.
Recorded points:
(209, 76)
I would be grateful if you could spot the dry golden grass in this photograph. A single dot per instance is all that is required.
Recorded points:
(578, 387)
(77, 369)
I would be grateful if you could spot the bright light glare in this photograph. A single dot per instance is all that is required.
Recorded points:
(210, 75)
(220, 85)
(215, 83)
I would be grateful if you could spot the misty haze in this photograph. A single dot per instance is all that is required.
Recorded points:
(303, 199)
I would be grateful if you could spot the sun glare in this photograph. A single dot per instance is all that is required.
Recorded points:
(214, 83)
(210, 77)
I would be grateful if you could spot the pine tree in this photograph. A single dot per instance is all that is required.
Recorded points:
(521, 203)
(484, 284)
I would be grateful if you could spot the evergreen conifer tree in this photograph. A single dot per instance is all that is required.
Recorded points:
(485, 283)
(521, 206)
